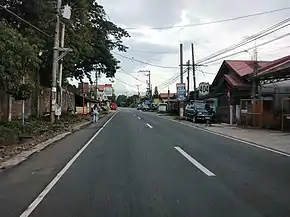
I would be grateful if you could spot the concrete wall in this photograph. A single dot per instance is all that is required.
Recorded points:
(31, 105)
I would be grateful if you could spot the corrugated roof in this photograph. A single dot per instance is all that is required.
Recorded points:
(165, 95)
(233, 81)
(244, 67)
(274, 64)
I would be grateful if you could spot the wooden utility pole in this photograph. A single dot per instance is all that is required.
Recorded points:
(193, 69)
(181, 81)
(255, 72)
(188, 77)
(181, 63)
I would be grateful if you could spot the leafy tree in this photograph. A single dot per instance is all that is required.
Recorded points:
(91, 36)
(155, 94)
(122, 100)
(18, 62)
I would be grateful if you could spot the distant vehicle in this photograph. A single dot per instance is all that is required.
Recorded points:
(162, 107)
(196, 111)
(145, 108)
(113, 106)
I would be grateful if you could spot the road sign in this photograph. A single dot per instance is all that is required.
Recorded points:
(203, 89)
(180, 91)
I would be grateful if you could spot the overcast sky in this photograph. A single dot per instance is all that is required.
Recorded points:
(161, 47)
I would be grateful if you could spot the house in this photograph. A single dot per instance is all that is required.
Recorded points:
(233, 85)
(164, 96)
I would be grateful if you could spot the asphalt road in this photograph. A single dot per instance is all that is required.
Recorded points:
(141, 165)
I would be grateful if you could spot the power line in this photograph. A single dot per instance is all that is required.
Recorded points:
(20, 18)
(249, 39)
(125, 83)
(174, 79)
(262, 44)
(146, 63)
(137, 79)
(214, 22)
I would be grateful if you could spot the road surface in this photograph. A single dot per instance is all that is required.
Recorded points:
(141, 165)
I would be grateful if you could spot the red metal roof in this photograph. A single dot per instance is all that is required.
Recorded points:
(165, 95)
(244, 67)
(233, 81)
(274, 64)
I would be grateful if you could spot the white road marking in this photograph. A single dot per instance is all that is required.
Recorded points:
(48, 188)
(232, 138)
(194, 162)
(149, 125)
(139, 118)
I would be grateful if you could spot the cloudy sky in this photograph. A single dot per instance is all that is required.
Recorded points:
(160, 46)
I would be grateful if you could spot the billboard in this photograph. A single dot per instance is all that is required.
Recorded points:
(180, 91)
(108, 90)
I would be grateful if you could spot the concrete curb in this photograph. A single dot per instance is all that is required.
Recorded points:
(19, 158)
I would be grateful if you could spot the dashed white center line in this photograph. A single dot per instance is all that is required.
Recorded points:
(149, 125)
(194, 162)
(139, 118)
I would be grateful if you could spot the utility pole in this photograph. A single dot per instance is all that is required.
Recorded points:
(181, 104)
(255, 72)
(138, 85)
(55, 62)
(97, 89)
(188, 77)
(149, 89)
(193, 69)
(181, 63)
(61, 64)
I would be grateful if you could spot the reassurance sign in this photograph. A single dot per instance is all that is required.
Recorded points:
(180, 91)
(203, 89)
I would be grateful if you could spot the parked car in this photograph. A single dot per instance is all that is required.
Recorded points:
(145, 108)
(196, 112)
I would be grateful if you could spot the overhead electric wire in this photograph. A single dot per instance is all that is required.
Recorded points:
(214, 22)
(137, 79)
(249, 39)
(125, 83)
(23, 20)
(262, 44)
(172, 80)
(146, 63)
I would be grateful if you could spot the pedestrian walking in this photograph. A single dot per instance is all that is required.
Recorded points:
(95, 114)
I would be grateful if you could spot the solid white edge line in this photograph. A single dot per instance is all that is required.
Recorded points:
(194, 162)
(232, 138)
(149, 125)
(48, 188)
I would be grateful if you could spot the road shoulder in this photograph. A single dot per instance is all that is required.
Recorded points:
(274, 141)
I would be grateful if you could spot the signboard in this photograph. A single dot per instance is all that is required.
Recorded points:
(203, 89)
(180, 91)
(147, 102)
(108, 90)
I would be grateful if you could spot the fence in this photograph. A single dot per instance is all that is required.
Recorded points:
(251, 112)
(36, 104)
(285, 117)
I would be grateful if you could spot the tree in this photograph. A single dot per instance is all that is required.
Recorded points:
(91, 36)
(156, 94)
(19, 61)
(122, 100)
